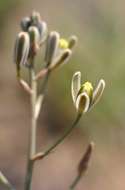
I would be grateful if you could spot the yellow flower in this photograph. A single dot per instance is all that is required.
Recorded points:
(85, 96)
(63, 43)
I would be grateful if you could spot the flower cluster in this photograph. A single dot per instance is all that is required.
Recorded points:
(34, 33)
(83, 95)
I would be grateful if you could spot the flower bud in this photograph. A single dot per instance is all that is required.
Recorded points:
(35, 17)
(84, 163)
(72, 42)
(42, 27)
(52, 47)
(25, 23)
(22, 47)
(34, 39)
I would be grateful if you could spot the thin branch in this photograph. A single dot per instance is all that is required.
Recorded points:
(41, 155)
(5, 182)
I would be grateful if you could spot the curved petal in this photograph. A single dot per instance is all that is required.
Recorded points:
(98, 92)
(76, 84)
(82, 102)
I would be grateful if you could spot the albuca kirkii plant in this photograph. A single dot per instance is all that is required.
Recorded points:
(29, 41)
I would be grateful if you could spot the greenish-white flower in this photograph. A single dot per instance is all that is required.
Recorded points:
(84, 95)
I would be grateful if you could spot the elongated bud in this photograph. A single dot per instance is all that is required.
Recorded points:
(52, 47)
(34, 39)
(25, 23)
(62, 59)
(22, 47)
(72, 42)
(84, 163)
(42, 27)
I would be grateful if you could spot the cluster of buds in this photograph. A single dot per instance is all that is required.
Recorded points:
(34, 33)
(84, 95)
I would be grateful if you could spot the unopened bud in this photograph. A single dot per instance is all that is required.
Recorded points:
(35, 17)
(25, 24)
(42, 27)
(72, 42)
(84, 163)
(34, 39)
(52, 47)
(22, 47)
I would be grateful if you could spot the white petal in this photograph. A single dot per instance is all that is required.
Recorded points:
(98, 92)
(82, 102)
(75, 86)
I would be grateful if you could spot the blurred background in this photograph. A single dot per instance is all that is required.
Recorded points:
(100, 27)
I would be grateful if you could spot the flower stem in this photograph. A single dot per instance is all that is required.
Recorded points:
(32, 143)
(60, 140)
(5, 182)
(75, 182)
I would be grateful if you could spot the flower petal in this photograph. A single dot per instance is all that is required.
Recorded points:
(76, 84)
(62, 59)
(72, 41)
(82, 103)
(98, 92)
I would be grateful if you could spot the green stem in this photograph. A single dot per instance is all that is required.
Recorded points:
(44, 85)
(75, 182)
(32, 143)
(60, 140)
(5, 182)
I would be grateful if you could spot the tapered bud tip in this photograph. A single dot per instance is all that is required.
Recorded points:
(63, 43)
(35, 17)
(25, 23)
